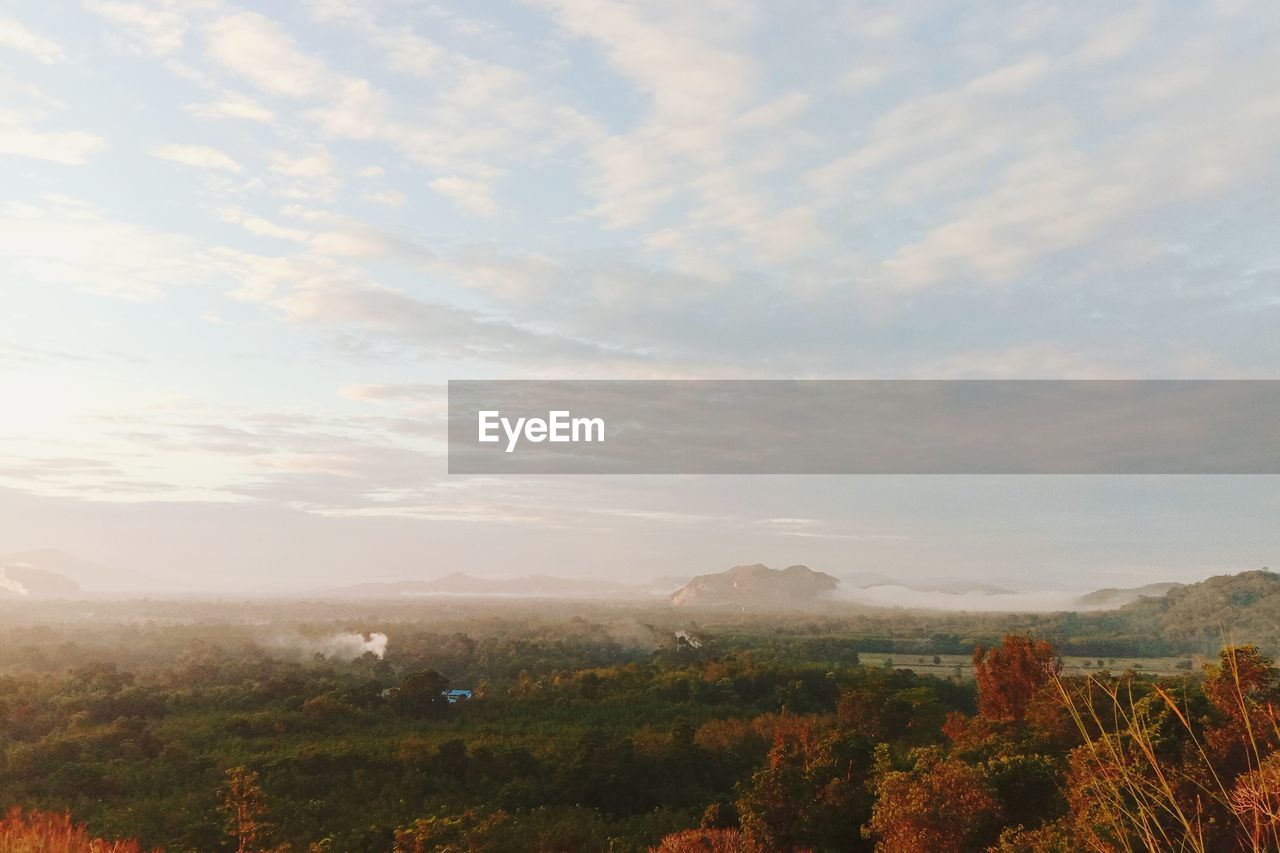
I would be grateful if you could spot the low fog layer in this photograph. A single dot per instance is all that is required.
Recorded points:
(901, 596)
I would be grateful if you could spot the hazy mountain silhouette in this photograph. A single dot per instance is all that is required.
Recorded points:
(757, 586)
(22, 581)
(1120, 596)
(88, 576)
(458, 583)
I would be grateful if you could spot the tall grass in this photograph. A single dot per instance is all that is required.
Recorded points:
(1143, 778)
(42, 832)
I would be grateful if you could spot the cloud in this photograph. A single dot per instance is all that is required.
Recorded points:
(695, 83)
(22, 134)
(1117, 35)
(270, 229)
(351, 244)
(390, 198)
(694, 160)
(776, 112)
(414, 391)
(71, 243)
(15, 35)
(71, 148)
(236, 107)
(321, 291)
(472, 196)
(1013, 79)
(317, 163)
(152, 29)
(197, 157)
(307, 174)
(263, 227)
(402, 50)
(1058, 199)
(254, 47)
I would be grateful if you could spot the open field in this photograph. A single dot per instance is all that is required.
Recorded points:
(952, 666)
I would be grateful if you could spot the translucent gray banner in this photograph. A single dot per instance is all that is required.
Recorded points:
(864, 427)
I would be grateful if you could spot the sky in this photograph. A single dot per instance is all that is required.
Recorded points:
(242, 248)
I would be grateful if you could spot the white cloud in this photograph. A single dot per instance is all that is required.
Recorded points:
(776, 112)
(1012, 79)
(197, 157)
(401, 48)
(409, 53)
(1058, 198)
(152, 29)
(236, 107)
(317, 163)
(866, 74)
(68, 242)
(20, 38)
(256, 48)
(270, 229)
(698, 154)
(371, 172)
(470, 195)
(390, 198)
(351, 244)
(70, 148)
(262, 227)
(1117, 35)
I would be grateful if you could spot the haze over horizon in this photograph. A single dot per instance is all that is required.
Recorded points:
(242, 251)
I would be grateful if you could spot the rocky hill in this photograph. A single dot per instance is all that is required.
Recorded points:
(757, 586)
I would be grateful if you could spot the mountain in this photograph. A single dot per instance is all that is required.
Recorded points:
(862, 580)
(457, 583)
(1111, 597)
(88, 576)
(21, 581)
(1240, 608)
(667, 584)
(757, 586)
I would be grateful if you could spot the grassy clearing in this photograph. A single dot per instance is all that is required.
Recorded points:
(952, 666)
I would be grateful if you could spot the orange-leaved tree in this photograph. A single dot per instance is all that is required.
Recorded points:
(1011, 674)
(705, 841)
(940, 804)
(245, 808)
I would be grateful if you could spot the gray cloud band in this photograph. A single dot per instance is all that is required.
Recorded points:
(864, 427)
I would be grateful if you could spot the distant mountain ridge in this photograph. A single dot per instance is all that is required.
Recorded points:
(461, 584)
(1239, 608)
(757, 585)
(18, 580)
(1113, 597)
(87, 576)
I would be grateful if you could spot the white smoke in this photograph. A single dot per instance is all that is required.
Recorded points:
(693, 641)
(10, 584)
(343, 646)
(352, 646)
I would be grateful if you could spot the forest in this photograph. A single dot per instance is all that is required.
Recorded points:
(325, 726)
